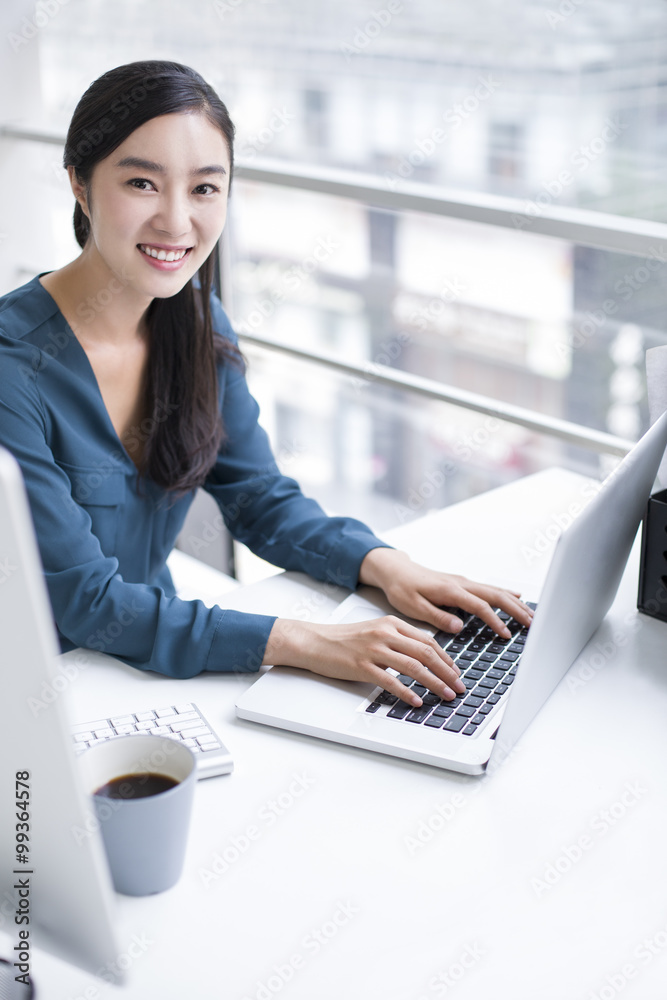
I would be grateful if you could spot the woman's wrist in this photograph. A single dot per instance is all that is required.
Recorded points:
(380, 565)
(291, 643)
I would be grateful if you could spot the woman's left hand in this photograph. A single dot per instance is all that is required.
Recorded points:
(421, 593)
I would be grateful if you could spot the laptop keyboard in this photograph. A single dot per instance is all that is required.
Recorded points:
(488, 666)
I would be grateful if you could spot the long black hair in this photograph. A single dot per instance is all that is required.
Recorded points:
(183, 424)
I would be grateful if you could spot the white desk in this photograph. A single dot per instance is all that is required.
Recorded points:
(329, 894)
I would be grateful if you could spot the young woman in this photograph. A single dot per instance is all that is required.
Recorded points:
(122, 391)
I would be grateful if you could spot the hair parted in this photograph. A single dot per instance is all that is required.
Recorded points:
(184, 351)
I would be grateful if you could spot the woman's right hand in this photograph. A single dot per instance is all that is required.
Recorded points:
(362, 651)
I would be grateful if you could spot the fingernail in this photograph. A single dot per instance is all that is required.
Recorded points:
(457, 623)
(460, 686)
(506, 632)
(416, 701)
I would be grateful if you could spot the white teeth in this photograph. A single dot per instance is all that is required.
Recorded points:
(169, 255)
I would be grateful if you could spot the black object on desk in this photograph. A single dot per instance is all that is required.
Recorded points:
(652, 596)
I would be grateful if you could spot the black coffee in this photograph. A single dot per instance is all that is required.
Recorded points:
(136, 786)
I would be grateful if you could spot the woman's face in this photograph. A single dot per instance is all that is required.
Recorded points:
(157, 204)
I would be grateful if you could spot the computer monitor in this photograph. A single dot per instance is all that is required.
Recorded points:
(53, 871)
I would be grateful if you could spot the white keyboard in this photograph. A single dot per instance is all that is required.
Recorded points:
(182, 722)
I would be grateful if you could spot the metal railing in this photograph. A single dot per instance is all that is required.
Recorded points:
(594, 229)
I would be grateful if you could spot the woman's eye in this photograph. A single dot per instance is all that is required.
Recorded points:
(206, 189)
(141, 183)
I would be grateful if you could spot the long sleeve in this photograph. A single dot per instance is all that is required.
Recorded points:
(266, 510)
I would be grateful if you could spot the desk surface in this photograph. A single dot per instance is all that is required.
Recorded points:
(320, 872)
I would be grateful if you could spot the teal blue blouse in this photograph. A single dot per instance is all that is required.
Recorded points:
(104, 538)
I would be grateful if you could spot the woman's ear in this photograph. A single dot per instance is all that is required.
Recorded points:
(78, 189)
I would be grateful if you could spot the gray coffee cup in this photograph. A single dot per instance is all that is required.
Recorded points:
(142, 788)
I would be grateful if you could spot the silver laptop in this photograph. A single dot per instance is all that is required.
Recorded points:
(53, 871)
(581, 583)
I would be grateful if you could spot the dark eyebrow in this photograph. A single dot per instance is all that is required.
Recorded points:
(139, 164)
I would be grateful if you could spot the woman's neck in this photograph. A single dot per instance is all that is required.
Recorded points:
(99, 305)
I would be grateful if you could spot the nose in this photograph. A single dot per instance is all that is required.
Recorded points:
(173, 215)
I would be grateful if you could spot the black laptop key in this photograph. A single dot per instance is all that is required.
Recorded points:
(472, 700)
(487, 658)
(399, 711)
(487, 683)
(455, 646)
(417, 714)
(497, 675)
(373, 707)
(469, 730)
(509, 657)
(485, 709)
(477, 719)
(444, 710)
(456, 723)
(475, 673)
(493, 699)
(496, 648)
(467, 656)
(501, 665)
(385, 698)
(476, 646)
(405, 679)
(517, 645)
(419, 689)
(467, 710)
(508, 678)
(435, 721)
(430, 699)
(502, 688)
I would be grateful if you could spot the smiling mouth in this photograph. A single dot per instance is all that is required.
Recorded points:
(167, 255)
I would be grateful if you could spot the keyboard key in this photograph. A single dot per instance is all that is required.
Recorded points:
(182, 722)
(385, 698)
(399, 711)
(487, 658)
(487, 683)
(497, 648)
(500, 665)
(502, 688)
(83, 737)
(517, 645)
(431, 699)
(485, 709)
(126, 730)
(509, 657)
(496, 675)
(508, 678)
(405, 679)
(469, 730)
(466, 710)
(476, 646)
(476, 674)
(435, 721)
(122, 720)
(455, 646)
(456, 723)
(145, 716)
(196, 731)
(419, 689)
(476, 719)
(162, 713)
(373, 707)
(147, 726)
(103, 734)
(467, 656)
(444, 710)
(417, 715)
(472, 700)
(493, 699)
